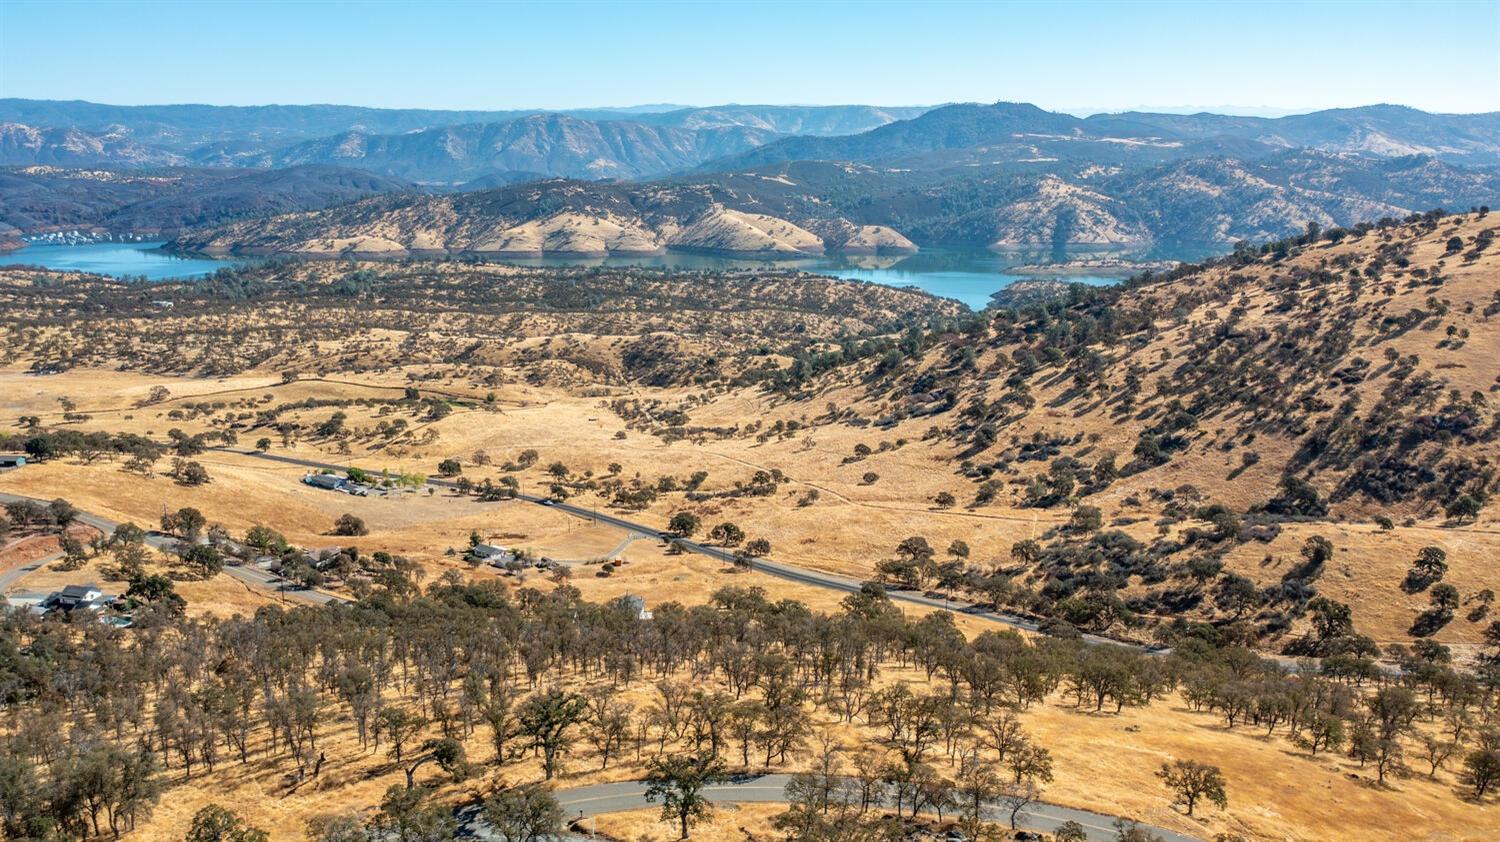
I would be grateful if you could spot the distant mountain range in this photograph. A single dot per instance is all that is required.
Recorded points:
(1018, 133)
(446, 147)
(452, 148)
(544, 144)
(183, 127)
(69, 146)
(733, 179)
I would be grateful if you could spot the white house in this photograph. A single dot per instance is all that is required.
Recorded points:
(493, 553)
(328, 482)
(76, 597)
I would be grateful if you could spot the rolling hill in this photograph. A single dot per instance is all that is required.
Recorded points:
(26, 145)
(557, 217)
(1242, 443)
(729, 179)
(815, 207)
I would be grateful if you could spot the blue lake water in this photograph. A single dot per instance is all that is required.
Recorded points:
(125, 260)
(968, 276)
(973, 286)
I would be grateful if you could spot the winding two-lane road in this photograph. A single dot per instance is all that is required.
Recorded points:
(586, 801)
(805, 576)
(800, 575)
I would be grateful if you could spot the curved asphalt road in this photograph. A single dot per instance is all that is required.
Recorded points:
(801, 575)
(598, 799)
(816, 578)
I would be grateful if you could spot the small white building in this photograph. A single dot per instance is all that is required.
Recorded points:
(327, 482)
(493, 553)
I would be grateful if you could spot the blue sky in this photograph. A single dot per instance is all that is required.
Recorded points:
(1081, 56)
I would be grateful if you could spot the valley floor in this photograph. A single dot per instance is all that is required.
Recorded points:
(850, 527)
(1104, 762)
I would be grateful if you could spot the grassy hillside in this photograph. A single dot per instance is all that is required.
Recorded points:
(1285, 452)
(841, 207)
(1225, 444)
(1240, 408)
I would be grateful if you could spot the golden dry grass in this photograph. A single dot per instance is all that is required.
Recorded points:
(1104, 763)
(1262, 772)
(850, 527)
(729, 822)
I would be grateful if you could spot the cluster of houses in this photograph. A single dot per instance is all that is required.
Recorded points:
(506, 558)
(333, 482)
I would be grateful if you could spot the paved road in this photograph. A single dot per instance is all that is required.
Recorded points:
(256, 577)
(253, 576)
(771, 789)
(16, 574)
(801, 575)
